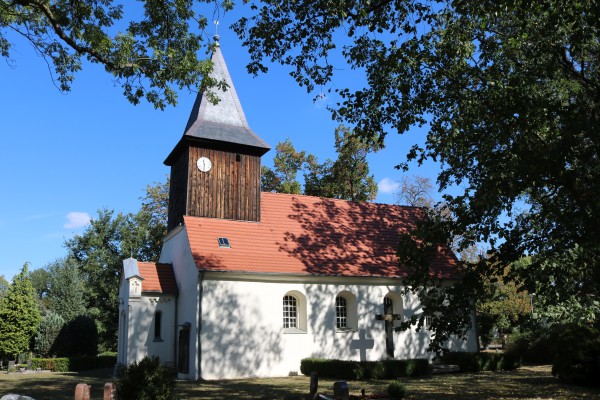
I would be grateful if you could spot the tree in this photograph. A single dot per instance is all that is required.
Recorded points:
(156, 202)
(99, 252)
(348, 176)
(19, 315)
(287, 162)
(45, 338)
(4, 284)
(509, 93)
(65, 295)
(415, 191)
(40, 280)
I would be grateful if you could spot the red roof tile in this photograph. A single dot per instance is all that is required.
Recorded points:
(158, 278)
(311, 235)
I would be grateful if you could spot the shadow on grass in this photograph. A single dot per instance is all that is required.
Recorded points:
(55, 386)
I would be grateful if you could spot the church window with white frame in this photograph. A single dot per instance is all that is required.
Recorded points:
(346, 315)
(290, 312)
(341, 313)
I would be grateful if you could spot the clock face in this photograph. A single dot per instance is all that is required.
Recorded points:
(204, 164)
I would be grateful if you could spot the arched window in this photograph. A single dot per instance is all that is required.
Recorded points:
(157, 325)
(294, 312)
(346, 316)
(341, 313)
(290, 312)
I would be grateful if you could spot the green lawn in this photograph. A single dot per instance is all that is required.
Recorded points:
(524, 383)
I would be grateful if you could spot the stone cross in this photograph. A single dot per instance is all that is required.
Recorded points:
(362, 344)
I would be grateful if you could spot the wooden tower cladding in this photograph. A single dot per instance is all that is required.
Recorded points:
(215, 167)
(229, 190)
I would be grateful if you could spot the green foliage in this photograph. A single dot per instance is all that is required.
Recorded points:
(51, 364)
(65, 293)
(79, 337)
(577, 357)
(534, 346)
(19, 315)
(48, 331)
(74, 364)
(507, 93)
(345, 178)
(99, 252)
(364, 370)
(4, 284)
(151, 53)
(287, 162)
(396, 390)
(476, 362)
(147, 380)
(348, 176)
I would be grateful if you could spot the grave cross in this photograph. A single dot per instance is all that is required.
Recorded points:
(362, 344)
(388, 317)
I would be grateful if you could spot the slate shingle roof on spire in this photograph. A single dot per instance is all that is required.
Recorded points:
(224, 122)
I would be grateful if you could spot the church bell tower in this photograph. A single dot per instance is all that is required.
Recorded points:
(215, 167)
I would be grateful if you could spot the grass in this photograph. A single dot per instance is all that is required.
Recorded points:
(524, 383)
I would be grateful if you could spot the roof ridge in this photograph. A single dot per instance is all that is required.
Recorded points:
(342, 200)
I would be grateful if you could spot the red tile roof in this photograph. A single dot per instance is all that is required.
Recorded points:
(158, 278)
(311, 235)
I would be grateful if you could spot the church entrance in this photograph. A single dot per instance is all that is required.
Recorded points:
(183, 358)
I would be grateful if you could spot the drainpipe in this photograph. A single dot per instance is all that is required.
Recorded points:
(175, 334)
(199, 328)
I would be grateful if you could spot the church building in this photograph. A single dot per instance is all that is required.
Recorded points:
(250, 283)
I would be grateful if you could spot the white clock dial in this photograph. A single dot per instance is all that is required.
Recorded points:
(204, 164)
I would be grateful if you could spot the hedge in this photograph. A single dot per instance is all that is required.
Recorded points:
(362, 370)
(73, 364)
(476, 362)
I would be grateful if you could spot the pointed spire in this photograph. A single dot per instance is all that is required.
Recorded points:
(225, 121)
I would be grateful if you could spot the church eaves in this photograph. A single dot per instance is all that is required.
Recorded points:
(223, 123)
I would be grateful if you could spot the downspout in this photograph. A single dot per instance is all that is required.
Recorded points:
(175, 334)
(199, 328)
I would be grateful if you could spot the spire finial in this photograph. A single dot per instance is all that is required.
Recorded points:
(216, 37)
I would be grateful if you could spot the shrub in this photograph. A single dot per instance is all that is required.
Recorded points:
(476, 362)
(147, 380)
(79, 337)
(577, 357)
(47, 332)
(52, 364)
(364, 370)
(396, 390)
(535, 347)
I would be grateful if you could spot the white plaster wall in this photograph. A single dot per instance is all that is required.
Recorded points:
(141, 328)
(176, 251)
(242, 332)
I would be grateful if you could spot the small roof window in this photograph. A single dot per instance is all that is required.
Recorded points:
(223, 242)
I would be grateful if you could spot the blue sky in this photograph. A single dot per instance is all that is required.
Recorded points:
(65, 156)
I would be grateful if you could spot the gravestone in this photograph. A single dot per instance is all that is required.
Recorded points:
(341, 390)
(82, 392)
(109, 391)
(11, 365)
(12, 396)
(314, 386)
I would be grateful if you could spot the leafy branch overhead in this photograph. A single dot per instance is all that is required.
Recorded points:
(150, 57)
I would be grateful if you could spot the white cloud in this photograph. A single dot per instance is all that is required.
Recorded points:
(386, 185)
(77, 219)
